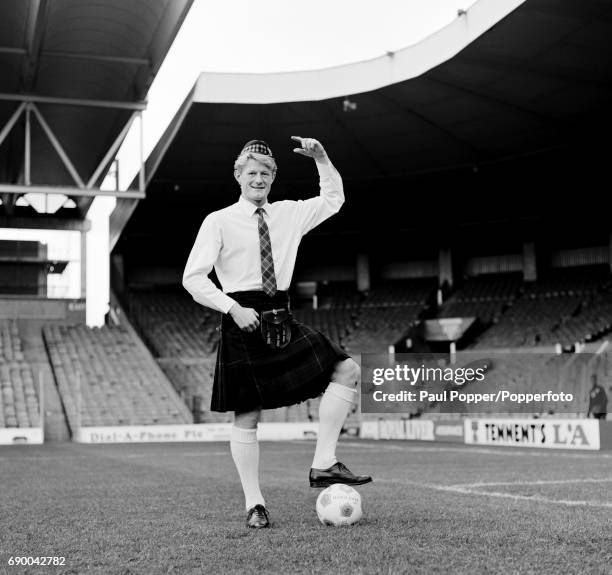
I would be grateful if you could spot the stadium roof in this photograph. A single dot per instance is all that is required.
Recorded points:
(84, 68)
(512, 96)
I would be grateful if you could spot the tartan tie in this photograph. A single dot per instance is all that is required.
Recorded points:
(268, 279)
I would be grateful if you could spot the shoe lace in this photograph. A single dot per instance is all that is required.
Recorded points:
(259, 511)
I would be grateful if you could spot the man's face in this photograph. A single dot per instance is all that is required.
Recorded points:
(255, 182)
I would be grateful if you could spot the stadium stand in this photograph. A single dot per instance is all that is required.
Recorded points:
(593, 322)
(387, 313)
(173, 324)
(530, 322)
(193, 380)
(183, 337)
(105, 378)
(575, 281)
(564, 307)
(484, 297)
(19, 402)
(336, 323)
(338, 294)
(536, 373)
(379, 327)
(391, 293)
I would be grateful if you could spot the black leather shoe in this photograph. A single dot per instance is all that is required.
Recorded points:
(337, 473)
(257, 517)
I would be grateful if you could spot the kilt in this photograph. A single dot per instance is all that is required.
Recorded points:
(250, 375)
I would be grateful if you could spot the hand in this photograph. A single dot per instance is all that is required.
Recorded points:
(310, 148)
(246, 318)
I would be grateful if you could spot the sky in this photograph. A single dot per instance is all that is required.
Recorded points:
(279, 36)
(254, 37)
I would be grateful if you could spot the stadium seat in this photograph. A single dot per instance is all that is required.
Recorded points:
(105, 378)
(19, 403)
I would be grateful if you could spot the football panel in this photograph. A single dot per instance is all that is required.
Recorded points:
(346, 510)
(324, 499)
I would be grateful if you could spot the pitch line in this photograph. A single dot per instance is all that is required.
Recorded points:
(536, 482)
(467, 490)
(515, 496)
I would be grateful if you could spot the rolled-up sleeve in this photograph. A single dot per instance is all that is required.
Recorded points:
(200, 263)
(313, 211)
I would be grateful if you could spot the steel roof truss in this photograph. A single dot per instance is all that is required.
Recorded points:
(68, 191)
(27, 107)
(12, 50)
(112, 150)
(73, 101)
(27, 176)
(36, 26)
(57, 146)
(11, 122)
(96, 57)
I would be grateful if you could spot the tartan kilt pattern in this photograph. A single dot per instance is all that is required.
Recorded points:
(249, 374)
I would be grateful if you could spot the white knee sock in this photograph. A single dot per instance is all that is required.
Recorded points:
(335, 405)
(245, 452)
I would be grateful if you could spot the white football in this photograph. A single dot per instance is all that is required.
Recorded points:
(339, 505)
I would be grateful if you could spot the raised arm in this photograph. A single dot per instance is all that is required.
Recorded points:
(331, 196)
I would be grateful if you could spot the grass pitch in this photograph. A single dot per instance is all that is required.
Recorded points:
(178, 508)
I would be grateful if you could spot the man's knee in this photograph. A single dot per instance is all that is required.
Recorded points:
(347, 373)
(247, 419)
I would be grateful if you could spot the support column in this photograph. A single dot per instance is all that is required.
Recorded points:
(83, 264)
(41, 276)
(117, 274)
(445, 267)
(530, 268)
(363, 272)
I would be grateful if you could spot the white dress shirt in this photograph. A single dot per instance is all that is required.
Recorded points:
(228, 240)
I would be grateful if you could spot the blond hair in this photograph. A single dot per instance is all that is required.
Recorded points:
(242, 159)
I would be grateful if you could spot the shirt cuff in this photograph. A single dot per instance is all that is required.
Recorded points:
(226, 303)
(325, 168)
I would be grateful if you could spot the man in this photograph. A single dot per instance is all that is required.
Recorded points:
(252, 246)
(598, 401)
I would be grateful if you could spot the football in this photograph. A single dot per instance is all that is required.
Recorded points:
(339, 505)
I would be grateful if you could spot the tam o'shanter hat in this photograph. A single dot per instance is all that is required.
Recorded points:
(257, 147)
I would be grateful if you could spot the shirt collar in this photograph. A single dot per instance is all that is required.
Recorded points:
(249, 208)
